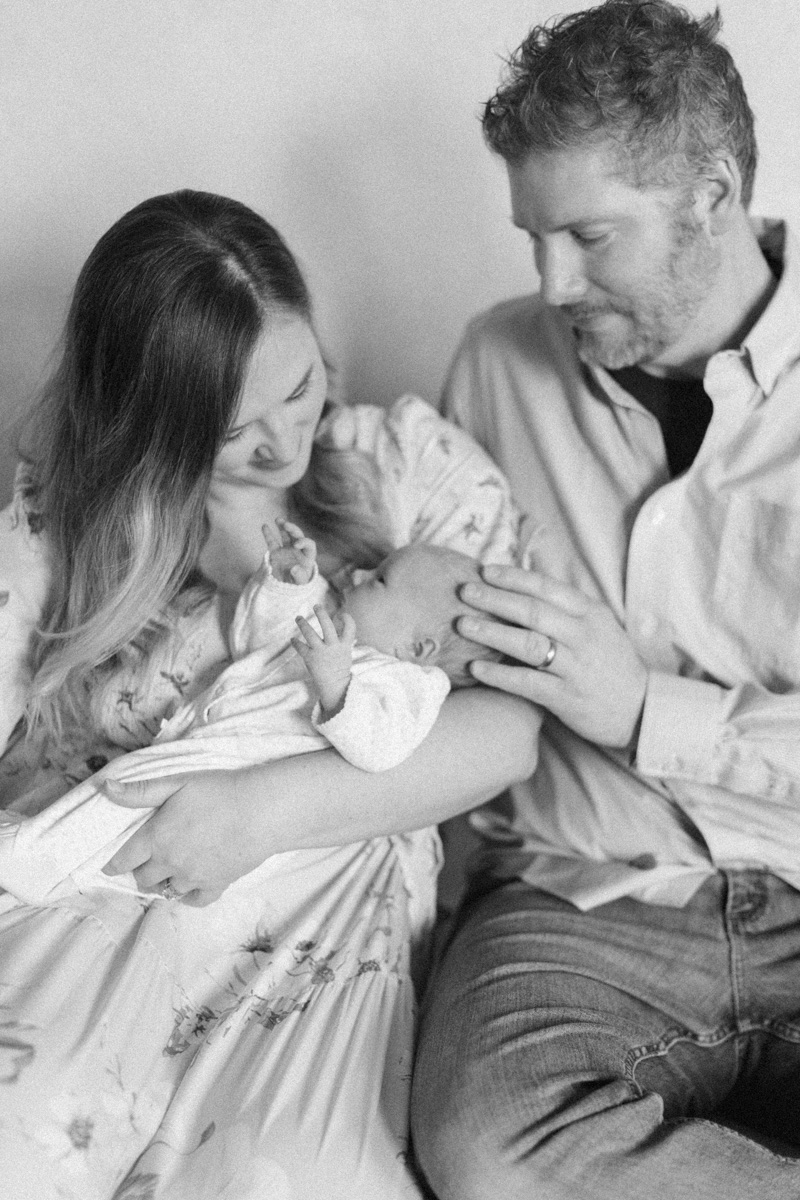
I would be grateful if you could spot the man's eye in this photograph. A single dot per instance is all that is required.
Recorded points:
(588, 239)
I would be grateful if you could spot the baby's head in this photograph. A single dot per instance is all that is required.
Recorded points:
(408, 607)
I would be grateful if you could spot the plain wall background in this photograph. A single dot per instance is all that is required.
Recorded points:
(351, 124)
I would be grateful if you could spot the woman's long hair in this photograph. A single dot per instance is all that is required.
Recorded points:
(163, 322)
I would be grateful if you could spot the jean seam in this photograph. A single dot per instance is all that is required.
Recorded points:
(708, 1040)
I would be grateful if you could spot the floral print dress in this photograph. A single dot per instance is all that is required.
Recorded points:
(259, 1048)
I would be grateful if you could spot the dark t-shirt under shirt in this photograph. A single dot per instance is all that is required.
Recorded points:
(681, 407)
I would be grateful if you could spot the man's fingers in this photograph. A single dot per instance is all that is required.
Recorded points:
(534, 583)
(526, 645)
(522, 610)
(539, 686)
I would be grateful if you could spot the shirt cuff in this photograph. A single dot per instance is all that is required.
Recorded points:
(681, 723)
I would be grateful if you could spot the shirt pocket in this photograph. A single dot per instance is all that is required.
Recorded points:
(756, 591)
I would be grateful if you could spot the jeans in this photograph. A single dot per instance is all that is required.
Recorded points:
(627, 1052)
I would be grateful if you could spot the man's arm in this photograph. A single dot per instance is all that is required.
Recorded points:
(743, 739)
(216, 826)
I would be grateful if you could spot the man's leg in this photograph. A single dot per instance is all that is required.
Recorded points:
(567, 1055)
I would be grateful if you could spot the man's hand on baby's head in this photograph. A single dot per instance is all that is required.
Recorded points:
(292, 555)
(328, 655)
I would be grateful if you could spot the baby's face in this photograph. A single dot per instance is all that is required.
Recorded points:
(396, 606)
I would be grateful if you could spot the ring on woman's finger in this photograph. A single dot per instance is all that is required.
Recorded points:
(547, 661)
(169, 892)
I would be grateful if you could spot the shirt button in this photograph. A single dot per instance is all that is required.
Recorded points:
(648, 626)
(643, 862)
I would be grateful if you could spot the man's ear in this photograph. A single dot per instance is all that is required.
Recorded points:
(424, 649)
(718, 196)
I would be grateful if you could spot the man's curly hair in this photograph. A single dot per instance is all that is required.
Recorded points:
(644, 73)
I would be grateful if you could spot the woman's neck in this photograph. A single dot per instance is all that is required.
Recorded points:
(234, 547)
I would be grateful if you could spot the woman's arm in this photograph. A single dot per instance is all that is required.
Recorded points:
(214, 827)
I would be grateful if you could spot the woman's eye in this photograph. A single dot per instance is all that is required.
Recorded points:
(234, 434)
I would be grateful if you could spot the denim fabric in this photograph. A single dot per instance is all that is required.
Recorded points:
(627, 1052)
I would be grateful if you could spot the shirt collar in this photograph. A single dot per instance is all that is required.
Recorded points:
(774, 340)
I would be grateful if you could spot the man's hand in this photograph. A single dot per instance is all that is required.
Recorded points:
(328, 658)
(291, 554)
(595, 682)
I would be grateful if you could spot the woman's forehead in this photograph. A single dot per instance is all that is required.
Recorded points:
(285, 353)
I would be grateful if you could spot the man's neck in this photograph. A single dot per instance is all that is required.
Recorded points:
(741, 291)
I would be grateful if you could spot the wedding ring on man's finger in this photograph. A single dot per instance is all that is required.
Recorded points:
(547, 661)
(169, 892)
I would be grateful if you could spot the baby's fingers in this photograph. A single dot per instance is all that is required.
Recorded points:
(312, 638)
(347, 628)
(271, 535)
(329, 630)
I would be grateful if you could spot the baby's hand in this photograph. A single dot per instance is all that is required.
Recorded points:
(328, 658)
(291, 554)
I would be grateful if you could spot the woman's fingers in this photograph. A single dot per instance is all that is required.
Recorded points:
(140, 793)
(133, 855)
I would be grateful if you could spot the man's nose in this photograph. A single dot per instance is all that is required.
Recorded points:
(560, 267)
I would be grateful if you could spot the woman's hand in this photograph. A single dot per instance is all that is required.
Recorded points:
(581, 664)
(215, 826)
(198, 840)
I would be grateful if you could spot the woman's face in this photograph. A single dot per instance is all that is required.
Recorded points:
(269, 442)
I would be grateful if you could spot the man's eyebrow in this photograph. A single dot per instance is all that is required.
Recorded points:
(608, 219)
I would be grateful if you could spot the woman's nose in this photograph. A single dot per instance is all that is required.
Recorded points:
(276, 443)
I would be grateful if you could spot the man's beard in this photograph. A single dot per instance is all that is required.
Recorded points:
(655, 318)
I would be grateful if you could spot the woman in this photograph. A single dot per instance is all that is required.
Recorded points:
(257, 1046)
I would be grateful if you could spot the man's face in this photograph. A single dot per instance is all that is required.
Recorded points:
(629, 267)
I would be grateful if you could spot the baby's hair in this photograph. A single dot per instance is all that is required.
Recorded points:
(456, 652)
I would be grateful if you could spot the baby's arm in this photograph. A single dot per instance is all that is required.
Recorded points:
(328, 656)
(389, 707)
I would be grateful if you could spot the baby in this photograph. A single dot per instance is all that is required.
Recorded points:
(381, 653)
(406, 608)
(364, 669)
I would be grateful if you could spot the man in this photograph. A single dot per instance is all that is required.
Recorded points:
(618, 1013)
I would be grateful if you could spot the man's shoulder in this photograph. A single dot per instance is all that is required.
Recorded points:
(523, 325)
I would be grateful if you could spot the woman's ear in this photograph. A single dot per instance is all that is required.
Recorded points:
(424, 649)
(718, 196)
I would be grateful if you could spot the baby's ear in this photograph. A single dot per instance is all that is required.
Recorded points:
(424, 650)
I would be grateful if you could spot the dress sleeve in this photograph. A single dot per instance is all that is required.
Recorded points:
(24, 581)
(389, 709)
(438, 485)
